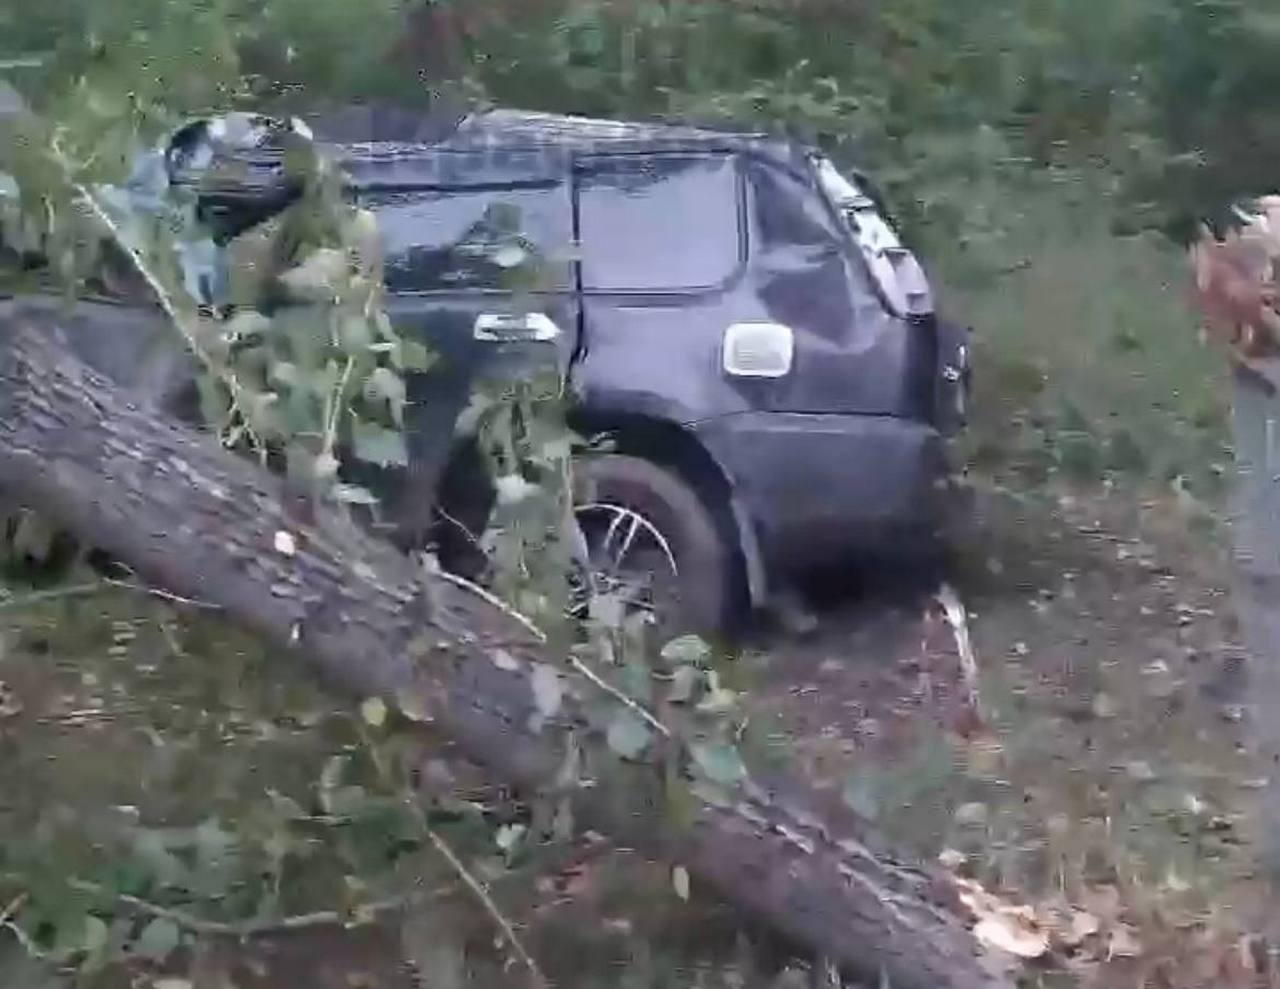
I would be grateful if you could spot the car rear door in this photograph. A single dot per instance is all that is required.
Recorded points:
(663, 243)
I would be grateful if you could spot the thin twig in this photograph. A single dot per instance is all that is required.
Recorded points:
(171, 639)
(482, 894)
(23, 939)
(163, 595)
(85, 716)
(334, 411)
(14, 906)
(581, 667)
(494, 600)
(457, 524)
(79, 590)
(363, 913)
(618, 695)
(162, 294)
(958, 620)
(476, 887)
(7, 923)
(54, 594)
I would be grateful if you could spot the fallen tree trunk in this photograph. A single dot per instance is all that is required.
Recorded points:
(202, 522)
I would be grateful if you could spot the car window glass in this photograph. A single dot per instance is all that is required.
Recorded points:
(789, 213)
(454, 239)
(791, 216)
(659, 222)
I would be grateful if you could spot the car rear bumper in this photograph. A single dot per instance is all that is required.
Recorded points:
(822, 489)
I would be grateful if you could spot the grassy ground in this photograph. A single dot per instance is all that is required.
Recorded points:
(1106, 776)
(1089, 359)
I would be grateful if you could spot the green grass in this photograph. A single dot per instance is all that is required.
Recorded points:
(1088, 358)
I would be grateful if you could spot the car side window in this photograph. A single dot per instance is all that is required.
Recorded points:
(803, 268)
(659, 223)
(466, 239)
(789, 213)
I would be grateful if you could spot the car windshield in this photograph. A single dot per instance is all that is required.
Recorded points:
(896, 271)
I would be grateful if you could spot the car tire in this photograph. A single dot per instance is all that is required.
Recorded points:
(703, 556)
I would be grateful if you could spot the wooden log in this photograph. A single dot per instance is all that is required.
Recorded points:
(201, 522)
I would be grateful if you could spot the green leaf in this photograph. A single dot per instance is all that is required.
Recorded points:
(285, 806)
(718, 761)
(214, 402)
(246, 324)
(96, 933)
(325, 467)
(510, 256)
(284, 373)
(158, 940)
(557, 449)
(33, 536)
(319, 276)
(686, 649)
(414, 356)
(606, 609)
(711, 793)
(354, 494)
(547, 690)
(71, 933)
(259, 408)
(347, 801)
(508, 836)
(680, 882)
(374, 711)
(513, 489)
(376, 444)
(355, 335)
(473, 416)
(628, 735)
(330, 777)
(383, 384)
(217, 858)
(160, 865)
(683, 683)
(861, 795)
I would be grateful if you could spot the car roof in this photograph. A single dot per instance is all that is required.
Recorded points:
(518, 128)
(388, 150)
(380, 145)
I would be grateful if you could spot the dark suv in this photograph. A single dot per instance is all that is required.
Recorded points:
(736, 316)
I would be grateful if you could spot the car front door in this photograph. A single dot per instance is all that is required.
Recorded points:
(478, 269)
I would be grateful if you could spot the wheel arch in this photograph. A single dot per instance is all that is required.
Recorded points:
(674, 447)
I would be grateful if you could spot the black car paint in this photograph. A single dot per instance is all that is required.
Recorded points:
(841, 454)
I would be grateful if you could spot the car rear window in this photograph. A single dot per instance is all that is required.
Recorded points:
(659, 223)
(438, 240)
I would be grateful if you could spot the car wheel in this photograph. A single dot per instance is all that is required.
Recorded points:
(651, 541)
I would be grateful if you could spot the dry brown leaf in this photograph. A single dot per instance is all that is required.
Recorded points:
(1007, 934)
(1083, 924)
(950, 858)
(1006, 926)
(1122, 943)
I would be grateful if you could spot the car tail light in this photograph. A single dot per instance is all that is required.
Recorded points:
(895, 268)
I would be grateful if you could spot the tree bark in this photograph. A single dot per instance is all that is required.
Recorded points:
(204, 523)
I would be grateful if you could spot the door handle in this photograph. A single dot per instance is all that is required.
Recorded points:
(506, 327)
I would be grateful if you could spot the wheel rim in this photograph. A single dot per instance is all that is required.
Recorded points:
(628, 557)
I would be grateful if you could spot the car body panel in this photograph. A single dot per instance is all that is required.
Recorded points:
(820, 488)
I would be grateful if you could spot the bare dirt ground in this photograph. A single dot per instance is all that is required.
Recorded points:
(1107, 774)
(1101, 775)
